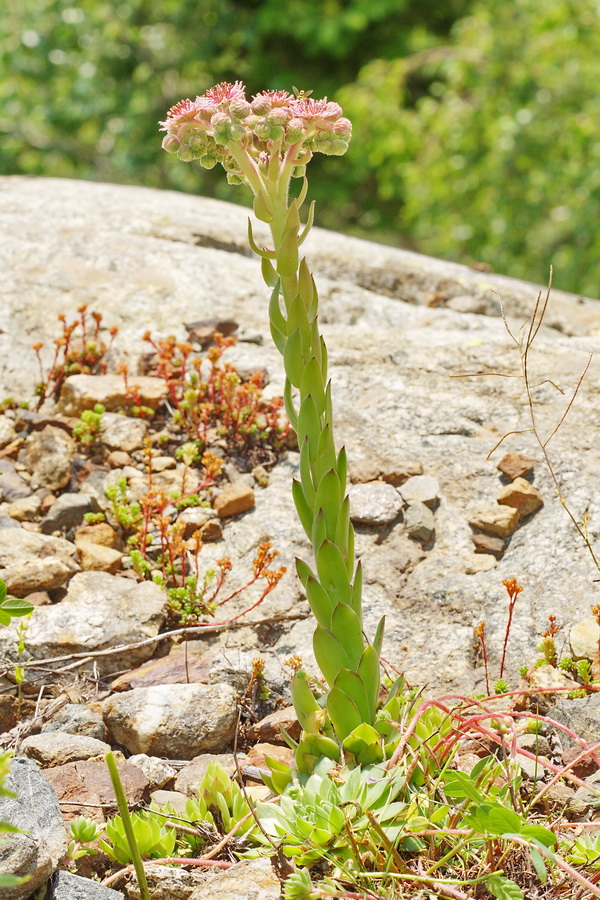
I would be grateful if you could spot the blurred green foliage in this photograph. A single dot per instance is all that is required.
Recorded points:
(475, 121)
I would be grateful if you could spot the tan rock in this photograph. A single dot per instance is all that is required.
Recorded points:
(234, 499)
(515, 465)
(102, 533)
(259, 751)
(118, 458)
(487, 543)
(88, 783)
(189, 777)
(584, 638)
(550, 685)
(521, 495)
(38, 575)
(269, 729)
(48, 455)
(253, 878)
(176, 668)
(479, 562)
(81, 392)
(25, 509)
(56, 748)
(98, 557)
(500, 520)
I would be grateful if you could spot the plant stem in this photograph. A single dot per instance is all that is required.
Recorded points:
(129, 832)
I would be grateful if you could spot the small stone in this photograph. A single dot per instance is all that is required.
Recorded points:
(47, 502)
(481, 562)
(260, 475)
(26, 509)
(545, 677)
(584, 639)
(98, 558)
(81, 392)
(7, 432)
(276, 751)
(419, 522)
(397, 472)
(101, 533)
(499, 520)
(212, 531)
(48, 456)
(585, 767)
(190, 776)
(117, 459)
(12, 485)
(123, 433)
(67, 886)
(269, 729)
(178, 667)
(197, 518)
(234, 499)
(76, 718)
(9, 709)
(46, 574)
(18, 545)
(487, 543)
(374, 503)
(39, 598)
(56, 748)
(176, 721)
(162, 463)
(521, 495)
(361, 471)
(203, 332)
(515, 465)
(168, 882)
(175, 798)
(68, 512)
(421, 489)
(157, 771)
(251, 879)
(87, 782)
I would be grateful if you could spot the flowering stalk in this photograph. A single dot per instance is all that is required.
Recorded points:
(264, 144)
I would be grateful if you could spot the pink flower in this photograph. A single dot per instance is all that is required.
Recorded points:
(181, 112)
(224, 92)
(311, 110)
(267, 100)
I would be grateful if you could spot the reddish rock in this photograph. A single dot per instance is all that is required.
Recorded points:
(88, 782)
(521, 495)
(515, 465)
(269, 729)
(585, 767)
(234, 499)
(169, 669)
(487, 543)
(259, 751)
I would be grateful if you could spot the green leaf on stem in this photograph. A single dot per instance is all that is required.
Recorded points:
(320, 602)
(261, 208)
(368, 670)
(331, 569)
(309, 426)
(297, 319)
(357, 587)
(305, 513)
(305, 284)
(269, 274)
(319, 529)
(342, 530)
(275, 314)
(364, 744)
(279, 338)
(312, 383)
(378, 639)
(353, 685)
(292, 219)
(306, 474)
(346, 625)
(329, 499)
(287, 255)
(309, 223)
(343, 711)
(288, 401)
(330, 653)
(303, 698)
(264, 254)
(342, 467)
(293, 359)
(304, 572)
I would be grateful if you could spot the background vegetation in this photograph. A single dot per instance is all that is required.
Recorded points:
(477, 122)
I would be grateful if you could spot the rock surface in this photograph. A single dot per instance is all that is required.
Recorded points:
(375, 503)
(56, 748)
(71, 887)
(81, 392)
(133, 254)
(250, 879)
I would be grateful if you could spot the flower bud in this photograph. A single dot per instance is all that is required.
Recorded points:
(198, 140)
(343, 129)
(171, 143)
(295, 130)
(240, 108)
(209, 161)
(185, 153)
(261, 105)
(279, 116)
(298, 171)
(234, 179)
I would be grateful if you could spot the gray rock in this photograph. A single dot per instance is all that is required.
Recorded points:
(177, 800)
(420, 489)
(375, 503)
(419, 522)
(7, 431)
(250, 879)
(35, 809)
(71, 887)
(47, 574)
(196, 519)
(157, 771)
(19, 546)
(176, 721)
(12, 486)
(189, 777)
(67, 512)
(81, 392)
(169, 883)
(48, 455)
(123, 432)
(99, 611)
(55, 748)
(581, 715)
(75, 718)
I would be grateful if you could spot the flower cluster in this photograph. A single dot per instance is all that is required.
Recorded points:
(216, 127)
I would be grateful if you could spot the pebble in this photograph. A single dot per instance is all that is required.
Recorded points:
(48, 455)
(7, 432)
(161, 463)
(200, 518)
(87, 782)
(481, 562)
(157, 771)
(515, 465)
(521, 495)
(190, 776)
(175, 798)
(47, 574)
(499, 520)
(169, 883)
(394, 472)
(12, 485)
(26, 509)
(374, 503)
(269, 729)
(67, 886)
(545, 677)
(419, 522)
(421, 489)
(68, 512)
(275, 751)
(77, 718)
(98, 558)
(56, 748)
(252, 879)
(81, 392)
(175, 721)
(584, 639)
(123, 433)
(178, 667)
(117, 459)
(234, 499)
(487, 543)
(18, 545)
(585, 767)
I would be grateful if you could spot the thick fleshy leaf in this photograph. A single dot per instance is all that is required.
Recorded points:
(368, 670)
(304, 572)
(319, 529)
(347, 626)
(302, 697)
(343, 711)
(275, 314)
(326, 457)
(306, 474)
(305, 513)
(279, 338)
(303, 192)
(309, 222)
(378, 639)
(342, 467)
(288, 400)
(309, 425)
(324, 358)
(279, 777)
(328, 404)
(297, 318)
(312, 748)
(293, 359)
(350, 558)
(356, 598)
(329, 500)
(305, 284)
(342, 529)
(330, 653)
(265, 254)
(331, 569)
(316, 346)
(320, 602)
(287, 255)
(364, 744)
(352, 684)
(292, 219)
(269, 274)
(261, 208)
(312, 383)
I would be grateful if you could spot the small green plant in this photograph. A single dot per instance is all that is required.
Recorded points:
(19, 670)
(153, 839)
(12, 607)
(82, 831)
(88, 429)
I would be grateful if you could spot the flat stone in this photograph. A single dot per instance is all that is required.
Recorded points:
(421, 489)
(202, 519)
(169, 883)
(585, 767)
(48, 574)
(175, 721)
(189, 778)
(515, 465)
(178, 667)
(124, 433)
(170, 481)
(419, 522)
(584, 639)
(276, 751)
(234, 499)
(269, 729)
(499, 520)
(392, 471)
(521, 495)
(67, 886)
(116, 459)
(87, 782)
(55, 748)
(487, 543)
(250, 879)
(374, 503)
(162, 463)
(157, 771)
(12, 486)
(76, 718)
(68, 512)
(26, 509)
(37, 852)
(581, 715)
(81, 392)
(480, 562)
(99, 611)
(101, 533)
(48, 455)
(98, 558)
(18, 546)
(175, 798)
(7, 432)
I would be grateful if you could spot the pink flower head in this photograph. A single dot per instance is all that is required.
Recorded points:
(181, 112)
(225, 92)
(267, 100)
(312, 110)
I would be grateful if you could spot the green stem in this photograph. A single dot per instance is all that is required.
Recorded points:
(134, 850)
